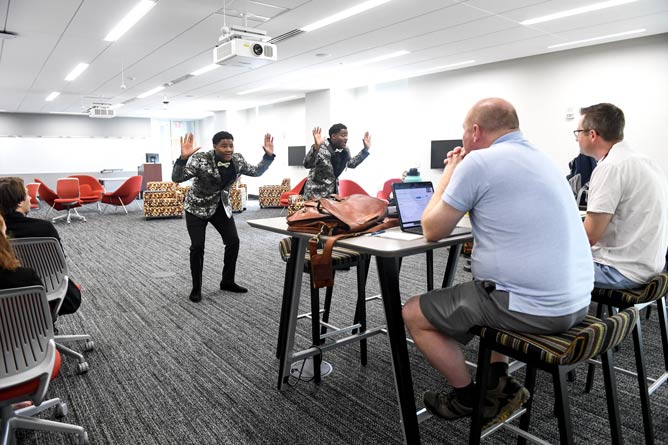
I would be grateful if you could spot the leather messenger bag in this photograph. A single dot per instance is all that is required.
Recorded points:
(338, 218)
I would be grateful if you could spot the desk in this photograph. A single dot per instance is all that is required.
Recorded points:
(111, 184)
(386, 252)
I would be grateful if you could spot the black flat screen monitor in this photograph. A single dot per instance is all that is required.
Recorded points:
(296, 155)
(439, 150)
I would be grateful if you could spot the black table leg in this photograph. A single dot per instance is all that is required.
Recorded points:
(289, 309)
(451, 266)
(389, 285)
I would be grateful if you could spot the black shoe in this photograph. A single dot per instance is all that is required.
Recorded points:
(506, 398)
(196, 295)
(233, 287)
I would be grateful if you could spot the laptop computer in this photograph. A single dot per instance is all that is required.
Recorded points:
(412, 198)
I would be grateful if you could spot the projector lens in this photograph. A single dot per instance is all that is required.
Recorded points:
(257, 49)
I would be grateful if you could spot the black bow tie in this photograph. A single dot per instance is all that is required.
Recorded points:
(223, 164)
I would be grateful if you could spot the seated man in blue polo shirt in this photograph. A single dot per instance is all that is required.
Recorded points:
(531, 260)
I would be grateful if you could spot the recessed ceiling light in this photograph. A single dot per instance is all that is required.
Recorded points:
(364, 6)
(129, 20)
(76, 72)
(446, 67)
(576, 11)
(255, 90)
(205, 69)
(151, 92)
(593, 39)
(52, 96)
(380, 58)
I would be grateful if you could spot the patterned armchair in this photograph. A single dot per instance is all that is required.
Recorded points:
(164, 199)
(238, 197)
(270, 195)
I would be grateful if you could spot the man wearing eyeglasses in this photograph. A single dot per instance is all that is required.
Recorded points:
(627, 209)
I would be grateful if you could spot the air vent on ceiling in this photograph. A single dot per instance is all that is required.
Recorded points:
(286, 36)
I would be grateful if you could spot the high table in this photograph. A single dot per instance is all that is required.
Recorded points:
(386, 251)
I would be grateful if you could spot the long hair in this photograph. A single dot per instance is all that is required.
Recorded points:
(8, 260)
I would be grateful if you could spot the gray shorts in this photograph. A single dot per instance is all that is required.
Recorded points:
(455, 310)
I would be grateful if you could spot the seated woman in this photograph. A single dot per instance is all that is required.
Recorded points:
(11, 273)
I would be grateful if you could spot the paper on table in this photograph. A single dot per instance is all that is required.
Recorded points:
(395, 234)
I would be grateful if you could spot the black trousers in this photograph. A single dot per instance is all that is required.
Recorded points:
(228, 232)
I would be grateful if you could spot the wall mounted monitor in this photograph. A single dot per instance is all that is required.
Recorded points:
(439, 150)
(296, 155)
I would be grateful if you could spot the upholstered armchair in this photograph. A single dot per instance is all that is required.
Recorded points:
(163, 200)
(238, 196)
(270, 195)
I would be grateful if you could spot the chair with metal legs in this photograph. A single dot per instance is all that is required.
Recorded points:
(556, 354)
(341, 259)
(45, 256)
(653, 292)
(29, 362)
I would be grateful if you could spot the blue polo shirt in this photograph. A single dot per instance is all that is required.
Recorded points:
(529, 237)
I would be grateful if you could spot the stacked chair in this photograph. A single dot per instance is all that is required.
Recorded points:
(33, 187)
(45, 256)
(30, 361)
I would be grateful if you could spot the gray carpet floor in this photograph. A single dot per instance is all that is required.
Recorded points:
(168, 371)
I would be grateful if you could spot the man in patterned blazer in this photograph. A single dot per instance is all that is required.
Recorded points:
(328, 158)
(213, 173)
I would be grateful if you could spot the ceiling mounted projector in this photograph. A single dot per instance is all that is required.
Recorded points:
(101, 111)
(244, 47)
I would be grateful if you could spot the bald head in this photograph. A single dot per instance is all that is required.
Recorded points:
(494, 114)
(488, 120)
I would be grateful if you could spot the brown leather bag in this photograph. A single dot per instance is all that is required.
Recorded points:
(340, 218)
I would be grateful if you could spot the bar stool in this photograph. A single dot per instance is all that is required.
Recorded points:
(556, 354)
(654, 291)
(341, 259)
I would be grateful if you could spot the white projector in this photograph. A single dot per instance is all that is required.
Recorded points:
(101, 112)
(244, 53)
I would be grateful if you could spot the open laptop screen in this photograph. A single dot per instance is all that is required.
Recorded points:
(412, 198)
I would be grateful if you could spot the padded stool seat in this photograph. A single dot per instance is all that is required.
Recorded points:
(654, 291)
(556, 354)
(341, 259)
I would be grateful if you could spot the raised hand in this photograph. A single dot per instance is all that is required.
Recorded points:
(187, 149)
(317, 137)
(367, 140)
(268, 145)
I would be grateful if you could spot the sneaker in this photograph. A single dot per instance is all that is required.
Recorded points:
(506, 398)
(445, 406)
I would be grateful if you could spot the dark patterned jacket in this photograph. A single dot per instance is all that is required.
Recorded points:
(326, 165)
(202, 199)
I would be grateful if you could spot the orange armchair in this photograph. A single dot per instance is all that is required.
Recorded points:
(348, 187)
(284, 200)
(125, 194)
(90, 190)
(385, 193)
(68, 197)
(49, 196)
(32, 192)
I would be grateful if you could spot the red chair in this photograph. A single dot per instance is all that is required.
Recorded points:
(49, 197)
(125, 194)
(297, 190)
(68, 197)
(348, 187)
(32, 192)
(385, 193)
(90, 190)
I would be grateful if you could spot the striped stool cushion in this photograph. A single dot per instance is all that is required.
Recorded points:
(652, 291)
(340, 257)
(583, 341)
